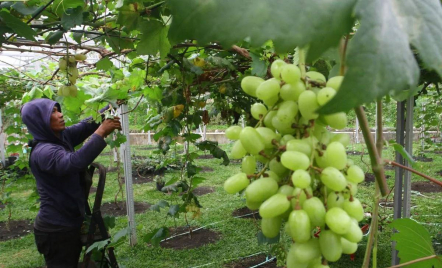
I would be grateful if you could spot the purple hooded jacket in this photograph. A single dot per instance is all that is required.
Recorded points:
(56, 166)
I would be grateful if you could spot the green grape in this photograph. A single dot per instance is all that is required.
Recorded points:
(292, 261)
(237, 151)
(287, 190)
(248, 165)
(321, 134)
(72, 80)
(354, 233)
(295, 160)
(287, 92)
(274, 206)
(348, 247)
(283, 127)
(325, 95)
(261, 189)
(316, 76)
(312, 141)
(271, 101)
(268, 89)
(232, 133)
(335, 82)
(290, 73)
(337, 120)
(308, 105)
(335, 199)
(71, 59)
(270, 226)
(73, 91)
(62, 64)
(268, 135)
(300, 227)
(301, 179)
(277, 167)
(320, 265)
(330, 245)
(253, 205)
(315, 263)
(336, 155)
(286, 138)
(355, 174)
(287, 110)
(258, 110)
(352, 189)
(65, 92)
(343, 138)
(300, 196)
(333, 179)
(73, 71)
(306, 252)
(354, 209)
(273, 176)
(250, 83)
(276, 68)
(236, 183)
(80, 57)
(302, 146)
(337, 220)
(320, 160)
(268, 119)
(350, 162)
(316, 211)
(251, 140)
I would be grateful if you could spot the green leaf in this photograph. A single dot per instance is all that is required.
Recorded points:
(128, 19)
(288, 23)
(171, 181)
(173, 210)
(212, 147)
(154, 94)
(262, 239)
(156, 236)
(379, 59)
(259, 67)
(413, 242)
(120, 139)
(18, 26)
(61, 6)
(72, 17)
(120, 234)
(159, 205)
(23, 9)
(77, 37)
(154, 39)
(98, 245)
(197, 180)
(54, 37)
(423, 22)
(398, 148)
(104, 64)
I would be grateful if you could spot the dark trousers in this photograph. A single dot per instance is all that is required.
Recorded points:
(61, 250)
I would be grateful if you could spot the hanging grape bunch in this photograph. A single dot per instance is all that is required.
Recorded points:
(307, 180)
(68, 65)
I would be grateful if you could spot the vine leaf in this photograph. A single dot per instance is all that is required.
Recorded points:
(156, 236)
(423, 22)
(72, 17)
(379, 58)
(259, 67)
(60, 6)
(23, 9)
(54, 37)
(413, 242)
(18, 26)
(287, 23)
(104, 64)
(154, 39)
(398, 148)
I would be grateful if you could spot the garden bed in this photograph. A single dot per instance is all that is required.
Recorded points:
(180, 239)
(15, 229)
(120, 209)
(425, 187)
(246, 213)
(206, 169)
(422, 158)
(205, 156)
(354, 153)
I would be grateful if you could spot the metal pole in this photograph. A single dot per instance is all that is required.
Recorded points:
(400, 128)
(357, 131)
(125, 154)
(409, 149)
(2, 141)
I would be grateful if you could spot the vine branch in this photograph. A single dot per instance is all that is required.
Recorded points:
(393, 163)
(415, 261)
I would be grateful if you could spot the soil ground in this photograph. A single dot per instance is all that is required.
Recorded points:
(15, 229)
(425, 187)
(198, 238)
(252, 262)
(120, 210)
(246, 213)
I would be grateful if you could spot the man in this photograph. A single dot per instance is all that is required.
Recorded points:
(56, 168)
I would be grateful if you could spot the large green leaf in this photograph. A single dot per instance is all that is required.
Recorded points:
(287, 23)
(154, 39)
(413, 242)
(61, 6)
(18, 26)
(72, 17)
(379, 58)
(422, 20)
(24, 9)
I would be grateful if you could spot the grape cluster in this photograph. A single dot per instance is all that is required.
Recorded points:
(307, 182)
(68, 65)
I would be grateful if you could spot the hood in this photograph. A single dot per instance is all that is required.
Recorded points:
(36, 115)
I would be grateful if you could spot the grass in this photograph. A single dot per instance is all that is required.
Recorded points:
(238, 236)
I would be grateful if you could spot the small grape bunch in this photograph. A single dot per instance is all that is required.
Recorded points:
(307, 183)
(68, 65)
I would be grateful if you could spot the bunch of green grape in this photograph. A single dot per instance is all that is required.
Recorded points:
(307, 183)
(68, 65)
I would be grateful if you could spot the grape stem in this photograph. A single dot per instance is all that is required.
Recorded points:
(393, 163)
(301, 62)
(319, 170)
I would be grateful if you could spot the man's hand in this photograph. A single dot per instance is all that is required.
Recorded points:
(108, 126)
